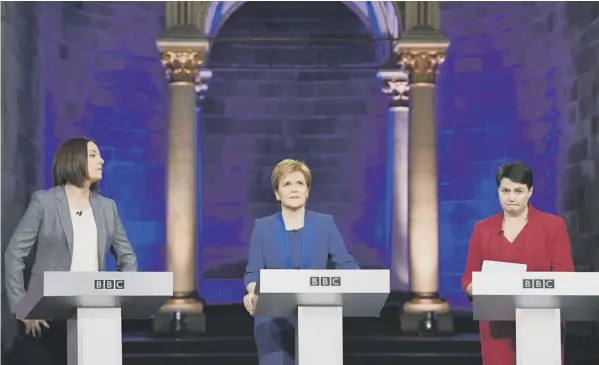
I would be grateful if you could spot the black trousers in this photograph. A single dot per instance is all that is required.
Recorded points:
(50, 348)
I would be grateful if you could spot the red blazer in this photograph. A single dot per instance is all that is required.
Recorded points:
(543, 245)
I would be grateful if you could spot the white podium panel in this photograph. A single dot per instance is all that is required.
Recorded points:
(91, 327)
(539, 302)
(538, 336)
(496, 296)
(320, 299)
(94, 303)
(361, 293)
(319, 335)
(57, 294)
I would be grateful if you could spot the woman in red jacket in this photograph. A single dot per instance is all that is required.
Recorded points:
(519, 234)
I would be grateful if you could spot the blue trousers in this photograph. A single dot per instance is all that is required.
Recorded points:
(275, 340)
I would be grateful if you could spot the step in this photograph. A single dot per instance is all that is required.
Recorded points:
(355, 359)
(463, 344)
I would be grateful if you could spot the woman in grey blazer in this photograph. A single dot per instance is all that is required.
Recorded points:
(72, 228)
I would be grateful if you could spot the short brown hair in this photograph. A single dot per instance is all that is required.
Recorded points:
(70, 163)
(288, 166)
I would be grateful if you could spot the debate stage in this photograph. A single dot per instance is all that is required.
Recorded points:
(379, 341)
(368, 341)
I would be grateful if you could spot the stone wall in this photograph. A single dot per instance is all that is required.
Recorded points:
(22, 125)
(520, 83)
(104, 80)
(318, 101)
(499, 95)
(578, 26)
(71, 69)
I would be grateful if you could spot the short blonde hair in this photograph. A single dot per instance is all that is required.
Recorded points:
(286, 167)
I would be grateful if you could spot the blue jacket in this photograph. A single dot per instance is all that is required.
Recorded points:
(327, 244)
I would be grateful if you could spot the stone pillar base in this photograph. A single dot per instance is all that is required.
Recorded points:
(426, 302)
(426, 323)
(426, 315)
(181, 317)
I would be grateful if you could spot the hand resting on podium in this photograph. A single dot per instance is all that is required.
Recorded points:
(250, 301)
(34, 326)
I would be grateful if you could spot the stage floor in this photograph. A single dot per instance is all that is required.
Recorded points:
(377, 341)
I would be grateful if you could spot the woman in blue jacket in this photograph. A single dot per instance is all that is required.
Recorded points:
(293, 238)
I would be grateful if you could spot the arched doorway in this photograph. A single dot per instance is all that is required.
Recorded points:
(314, 99)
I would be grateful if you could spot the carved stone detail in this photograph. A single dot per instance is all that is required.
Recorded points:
(201, 85)
(422, 66)
(396, 86)
(183, 62)
(182, 66)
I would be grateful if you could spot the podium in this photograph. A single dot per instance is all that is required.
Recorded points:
(94, 304)
(320, 299)
(538, 302)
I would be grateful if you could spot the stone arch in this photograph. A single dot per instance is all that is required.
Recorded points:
(334, 119)
(380, 17)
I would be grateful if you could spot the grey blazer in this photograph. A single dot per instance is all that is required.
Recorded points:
(47, 225)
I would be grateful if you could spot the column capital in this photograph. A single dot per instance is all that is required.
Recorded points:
(201, 85)
(420, 55)
(183, 60)
(396, 86)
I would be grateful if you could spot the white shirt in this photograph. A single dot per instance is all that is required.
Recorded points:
(85, 241)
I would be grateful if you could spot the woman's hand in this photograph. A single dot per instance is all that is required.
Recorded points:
(469, 290)
(249, 301)
(34, 326)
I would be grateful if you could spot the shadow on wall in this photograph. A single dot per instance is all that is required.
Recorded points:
(22, 125)
(579, 188)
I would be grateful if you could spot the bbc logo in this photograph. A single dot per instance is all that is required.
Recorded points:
(109, 284)
(325, 281)
(538, 283)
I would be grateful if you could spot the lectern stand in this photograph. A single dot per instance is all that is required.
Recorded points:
(320, 299)
(94, 304)
(538, 302)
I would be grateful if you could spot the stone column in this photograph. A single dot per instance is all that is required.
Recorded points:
(183, 51)
(423, 198)
(421, 51)
(421, 62)
(396, 87)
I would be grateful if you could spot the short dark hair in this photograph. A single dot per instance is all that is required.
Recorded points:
(70, 163)
(518, 172)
